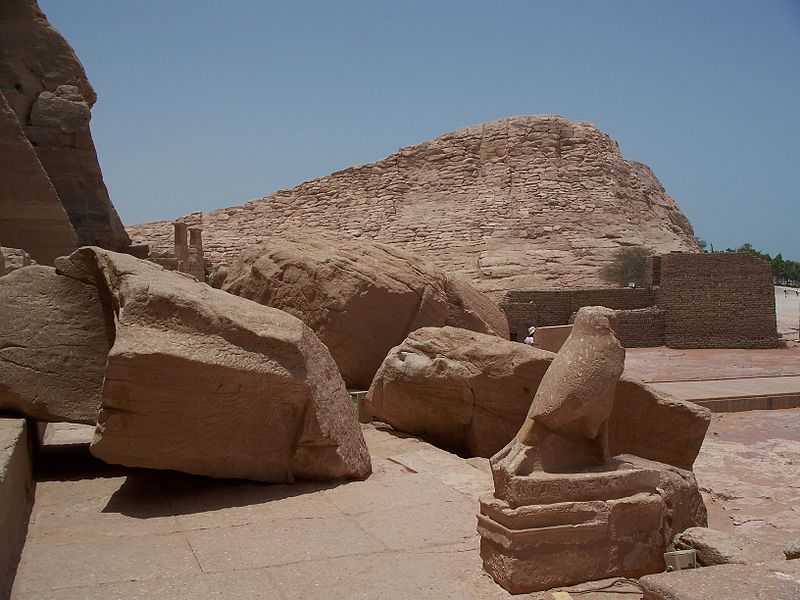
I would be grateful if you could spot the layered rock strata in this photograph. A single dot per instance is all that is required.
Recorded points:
(47, 91)
(564, 511)
(523, 202)
(204, 382)
(361, 298)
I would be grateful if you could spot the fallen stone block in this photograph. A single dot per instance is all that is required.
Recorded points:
(773, 581)
(207, 383)
(718, 548)
(362, 298)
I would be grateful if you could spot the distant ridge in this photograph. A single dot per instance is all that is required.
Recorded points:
(522, 202)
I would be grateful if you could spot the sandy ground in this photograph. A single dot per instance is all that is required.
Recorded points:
(787, 311)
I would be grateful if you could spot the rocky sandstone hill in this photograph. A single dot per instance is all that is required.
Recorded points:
(535, 201)
(52, 194)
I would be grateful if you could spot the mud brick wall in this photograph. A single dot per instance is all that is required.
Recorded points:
(722, 300)
(641, 327)
(555, 306)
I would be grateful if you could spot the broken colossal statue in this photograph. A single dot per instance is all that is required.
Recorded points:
(564, 511)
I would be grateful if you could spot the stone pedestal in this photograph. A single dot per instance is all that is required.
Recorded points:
(574, 527)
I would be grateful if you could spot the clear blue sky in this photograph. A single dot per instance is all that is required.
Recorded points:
(204, 104)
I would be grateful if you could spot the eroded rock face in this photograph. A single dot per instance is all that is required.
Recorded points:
(470, 393)
(361, 298)
(31, 214)
(656, 426)
(54, 340)
(204, 382)
(524, 202)
(463, 391)
(48, 91)
(12, 259)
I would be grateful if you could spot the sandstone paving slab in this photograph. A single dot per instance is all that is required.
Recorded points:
(242, 585)
(390, 492)
(749, 472)
(416, 527)
(207, 505)
(448, 468)
(670, 364)
(275, 543)
(46, 566)
(455, 575)
(731, 388)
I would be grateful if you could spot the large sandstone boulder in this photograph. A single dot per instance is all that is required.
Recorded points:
(463, 391)
(469, 393)
(54, 341)
(361, 298)
(50, 96)
(518, 203)
(204, 382)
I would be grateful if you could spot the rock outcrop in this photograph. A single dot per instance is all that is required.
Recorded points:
(54, 340)
(31, 214)
(524, 202)
(12, 259)
(47, 90)
(361, 298)
(204, 382)
(469, 393)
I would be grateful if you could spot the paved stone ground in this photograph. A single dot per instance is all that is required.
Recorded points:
(100, 531)
(749, 472)
(408, 531)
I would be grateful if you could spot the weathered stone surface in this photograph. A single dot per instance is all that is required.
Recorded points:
(46, 87)
(12, 259)
(361, 298)
(31, 214)
(54, 340)
(791, 551)
(654, 425)
(563, 511)
(683, 505)
(470, 393)
(16, 496)
(208, 383)
(718, 548)
(519, 203)
(463, 391)
(775, 581)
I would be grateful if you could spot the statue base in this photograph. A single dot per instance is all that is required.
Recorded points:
(575, 527)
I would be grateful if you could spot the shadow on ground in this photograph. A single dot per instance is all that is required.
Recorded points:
(147, 493)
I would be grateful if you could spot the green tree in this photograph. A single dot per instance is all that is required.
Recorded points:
(627, 266)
